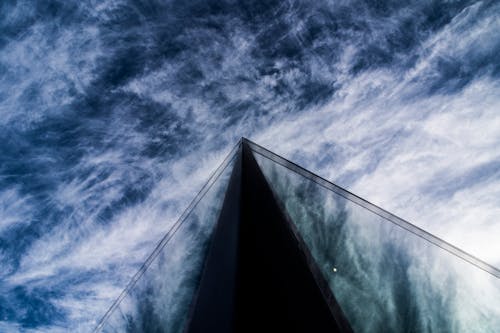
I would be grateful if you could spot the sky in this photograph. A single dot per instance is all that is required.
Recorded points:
(113, 114)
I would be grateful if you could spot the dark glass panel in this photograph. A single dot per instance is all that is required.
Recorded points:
(160, 299)
(387, 277)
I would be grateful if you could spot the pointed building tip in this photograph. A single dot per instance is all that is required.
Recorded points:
(244, 142)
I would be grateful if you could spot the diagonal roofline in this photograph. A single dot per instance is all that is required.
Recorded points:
(388, 216)
(168, 235)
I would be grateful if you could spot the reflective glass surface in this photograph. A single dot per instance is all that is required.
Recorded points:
(385, 277)
(159, 301)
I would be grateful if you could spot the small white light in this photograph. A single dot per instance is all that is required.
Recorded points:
(334, 269)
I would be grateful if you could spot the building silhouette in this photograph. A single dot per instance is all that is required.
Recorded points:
(268, 246)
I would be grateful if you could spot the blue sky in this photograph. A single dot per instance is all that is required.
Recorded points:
(114, 113)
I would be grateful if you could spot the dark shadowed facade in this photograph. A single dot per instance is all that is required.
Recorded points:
(267, 246)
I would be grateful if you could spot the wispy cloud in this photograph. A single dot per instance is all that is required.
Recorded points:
(113, 116)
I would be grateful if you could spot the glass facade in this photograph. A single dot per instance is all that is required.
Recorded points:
(160, 297)
(385, 276)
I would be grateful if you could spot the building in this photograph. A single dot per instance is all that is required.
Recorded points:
(267, 246)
